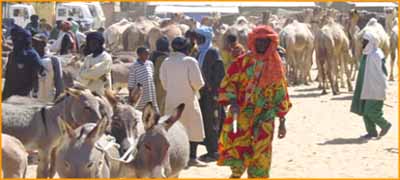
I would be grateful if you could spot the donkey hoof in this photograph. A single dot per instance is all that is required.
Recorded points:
(324, 93)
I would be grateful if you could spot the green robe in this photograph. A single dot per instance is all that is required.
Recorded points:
(371, 110)
(357, 104)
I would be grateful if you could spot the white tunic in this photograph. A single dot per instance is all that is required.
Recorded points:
(181, 77)
(95, 74)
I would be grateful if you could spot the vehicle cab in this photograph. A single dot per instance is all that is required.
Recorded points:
(20, 13)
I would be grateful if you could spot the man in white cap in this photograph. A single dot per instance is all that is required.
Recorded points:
(371, 87)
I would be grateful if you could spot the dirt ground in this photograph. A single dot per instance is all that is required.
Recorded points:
(323, 141)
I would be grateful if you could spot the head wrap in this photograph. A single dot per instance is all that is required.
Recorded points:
(207, 32)
(66, 26)
(180, 43)
(23, 51)
(162, 44)
(273, 71)
(22, 41)
(95, 36)
(373, 42)
(98, 37)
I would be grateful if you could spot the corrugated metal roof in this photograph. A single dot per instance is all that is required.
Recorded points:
(191, 9)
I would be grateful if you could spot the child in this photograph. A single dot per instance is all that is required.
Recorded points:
(141, 72)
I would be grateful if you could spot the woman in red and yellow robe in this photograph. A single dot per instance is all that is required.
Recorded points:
(255, 83)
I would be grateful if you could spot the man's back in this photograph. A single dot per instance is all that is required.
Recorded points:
(181, 74)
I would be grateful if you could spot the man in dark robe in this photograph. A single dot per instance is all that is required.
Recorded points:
(23, 65)
(212, 68)
(158, 57)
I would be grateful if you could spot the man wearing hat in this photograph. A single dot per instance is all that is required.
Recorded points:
(95, 74)
(51, 85)
(181, 78)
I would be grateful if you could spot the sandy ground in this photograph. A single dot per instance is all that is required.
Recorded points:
(323, 141)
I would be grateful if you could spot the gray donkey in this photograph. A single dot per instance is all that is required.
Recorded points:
(127, 124)
(82, 154)
(14, 157)
(162, 151)
(37, 127)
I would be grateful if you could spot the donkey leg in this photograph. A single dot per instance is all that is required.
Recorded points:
(43, 165)
(52, 169)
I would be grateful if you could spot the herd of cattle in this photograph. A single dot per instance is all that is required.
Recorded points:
(86, 135)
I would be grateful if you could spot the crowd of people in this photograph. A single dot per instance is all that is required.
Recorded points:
(190, 70)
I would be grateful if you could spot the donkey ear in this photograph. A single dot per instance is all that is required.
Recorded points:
(175, 116)
(66, 128)
(149, 116)
(97, 131)
(135, 95)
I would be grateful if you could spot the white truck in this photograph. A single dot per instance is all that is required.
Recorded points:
(19, 13)
(89, 14)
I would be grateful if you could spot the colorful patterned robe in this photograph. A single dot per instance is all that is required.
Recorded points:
(251, 146)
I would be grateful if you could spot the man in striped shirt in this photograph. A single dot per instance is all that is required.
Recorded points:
(141, 72)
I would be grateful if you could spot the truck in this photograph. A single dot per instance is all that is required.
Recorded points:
(88, 14)
(18, 13)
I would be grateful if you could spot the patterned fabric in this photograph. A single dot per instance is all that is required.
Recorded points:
(251, 146)
(143, 73)
(274, 70)
(229, 55)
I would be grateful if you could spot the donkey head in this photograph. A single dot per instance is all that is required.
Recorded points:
(78, 156)
(153, 146)
(81, 106)
(127, 123)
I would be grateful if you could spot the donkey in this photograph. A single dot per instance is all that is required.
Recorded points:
(162, 151)
(127, 124)
(15, 157)
(82, 155)
(36, 126)
(79, 148)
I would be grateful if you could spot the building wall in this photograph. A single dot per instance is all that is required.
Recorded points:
(46, 10)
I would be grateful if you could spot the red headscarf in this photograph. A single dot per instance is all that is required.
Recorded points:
(273, 71)
(66, 26)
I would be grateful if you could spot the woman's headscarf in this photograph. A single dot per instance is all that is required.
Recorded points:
(273, 71)
(207, 32)
(373, 42)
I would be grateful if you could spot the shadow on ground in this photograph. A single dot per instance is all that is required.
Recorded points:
(349, 97)
(306, 95)
(342, 141)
